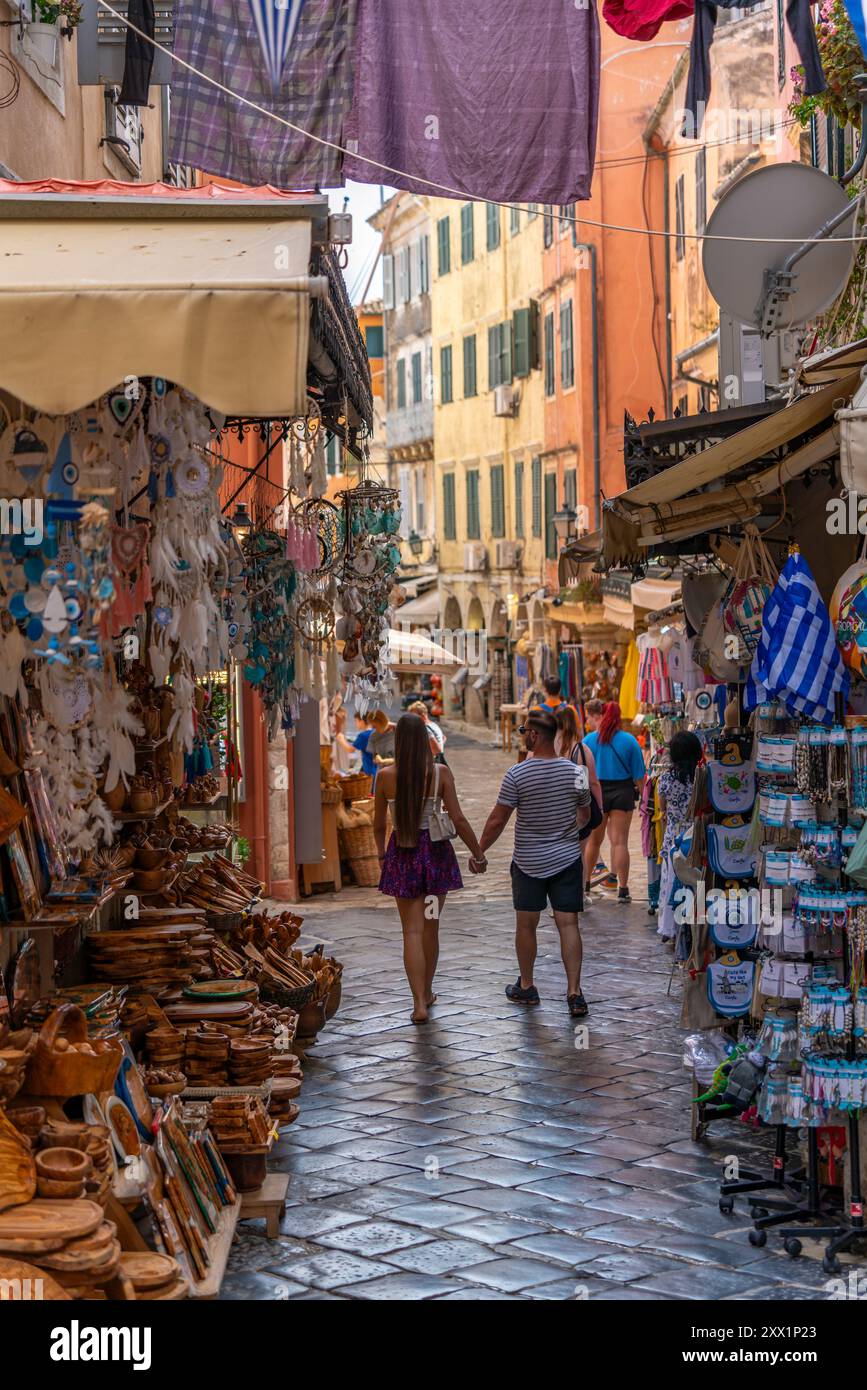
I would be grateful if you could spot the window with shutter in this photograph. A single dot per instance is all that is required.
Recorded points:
(468, 249)
(401, 384)
(444, 246)
(493, 360)
(424, 265)
(550, 386)
(532, 211)
(519, 500)
(570, 487)
(701, 191)
(388, 281)
(446, 388)
(416, 378)
(473, 520)
(567, 351)
(470, 381)
(498, 501)
(550, 509)
(514, 220)
(521, 334)
(504, 331)
(403, 285)
(548, 226)
(414, 269)
(536, 479)
(493, 225)
(679, 220)
(450, 529)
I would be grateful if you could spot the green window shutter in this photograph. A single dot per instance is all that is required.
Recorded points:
(470, 379)
(548, 225)
(444, 246)
(549, 355)
(570, 487)
(519, 499)
(567, 354)
(492, 218)
(498, 501)
(401, 384)
(537, 496)
(506, 350)
(450, 529)
(493, 357)
(473, 525)
(468, 249)
(514, 219)
(550, 509)
(521, 335)
(446, 387)
(416, 378)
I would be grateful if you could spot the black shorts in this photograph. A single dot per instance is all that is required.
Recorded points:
(564, 891)
(618, 795)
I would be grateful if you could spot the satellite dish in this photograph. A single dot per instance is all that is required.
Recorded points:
(778, 206)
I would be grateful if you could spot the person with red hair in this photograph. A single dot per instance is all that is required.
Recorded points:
(621, 771)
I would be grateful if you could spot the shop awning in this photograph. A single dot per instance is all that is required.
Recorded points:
(652, 594)
(411, 652)
(209, 287)
(423, 611)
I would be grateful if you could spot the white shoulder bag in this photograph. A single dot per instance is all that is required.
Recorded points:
(441, 825)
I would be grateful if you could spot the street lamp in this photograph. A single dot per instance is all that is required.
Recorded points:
(241, 522)
(565, 522)
(415, 543)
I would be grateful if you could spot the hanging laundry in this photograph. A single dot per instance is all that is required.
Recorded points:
(496, 100)
(643, 19)
(215, 132)
(800, 22)
(797, 660)
(138, 54)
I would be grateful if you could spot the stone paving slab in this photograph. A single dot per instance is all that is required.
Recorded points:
(486, 1155)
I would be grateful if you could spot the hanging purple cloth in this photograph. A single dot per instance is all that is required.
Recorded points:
(496, 99)
(216, 133)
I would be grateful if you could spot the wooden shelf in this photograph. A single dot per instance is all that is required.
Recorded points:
(128, 817)
(219, 1245)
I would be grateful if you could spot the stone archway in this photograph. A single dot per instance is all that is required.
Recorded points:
(452, 619)
(498, 624)
(537, 621)
(475, 616)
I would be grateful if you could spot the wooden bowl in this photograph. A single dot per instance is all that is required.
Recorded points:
(161, 1090)
(63, 1165)
(148, 858)
(68, 1191)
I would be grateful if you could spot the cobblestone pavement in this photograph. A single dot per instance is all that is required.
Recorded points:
(486, 1155)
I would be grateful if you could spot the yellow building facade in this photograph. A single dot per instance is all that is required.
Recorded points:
(486, 283)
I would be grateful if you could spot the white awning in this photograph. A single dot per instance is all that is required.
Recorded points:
(413, 651)
(424, 610)
(654, 593)
(216, 300)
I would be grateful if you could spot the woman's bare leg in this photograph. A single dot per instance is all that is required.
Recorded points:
(414, 924)
(593, 848)
(618, 835)
(432, 944)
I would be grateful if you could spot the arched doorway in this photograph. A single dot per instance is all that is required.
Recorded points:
(452, 614)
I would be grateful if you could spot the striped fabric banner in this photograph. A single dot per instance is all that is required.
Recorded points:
(797, 660)
(857, 12)
(276, 23)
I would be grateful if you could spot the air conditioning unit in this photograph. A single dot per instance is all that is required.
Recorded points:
(508, 555)
(475, 556)
(505, 401)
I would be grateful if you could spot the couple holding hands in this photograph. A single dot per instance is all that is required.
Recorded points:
(555, 808)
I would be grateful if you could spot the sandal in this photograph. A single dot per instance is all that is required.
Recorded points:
(577, 1005)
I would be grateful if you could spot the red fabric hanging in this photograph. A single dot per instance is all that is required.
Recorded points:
(643, 19)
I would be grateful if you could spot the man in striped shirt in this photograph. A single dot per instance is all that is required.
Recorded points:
(552, 802)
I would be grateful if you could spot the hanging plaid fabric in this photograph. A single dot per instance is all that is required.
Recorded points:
(797, 660)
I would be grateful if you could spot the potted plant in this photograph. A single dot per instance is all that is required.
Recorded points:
(44, 31)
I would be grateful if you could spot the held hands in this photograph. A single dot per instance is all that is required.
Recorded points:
(478, 866)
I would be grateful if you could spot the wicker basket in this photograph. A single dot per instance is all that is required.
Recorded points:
(357, 842)
(366, 871)
(356, 786)
(272, 993)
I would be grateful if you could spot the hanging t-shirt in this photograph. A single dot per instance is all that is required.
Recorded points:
(494, 100)
(682, 668)
(618, 760)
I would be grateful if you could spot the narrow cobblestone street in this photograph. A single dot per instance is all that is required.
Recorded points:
(490, 1154)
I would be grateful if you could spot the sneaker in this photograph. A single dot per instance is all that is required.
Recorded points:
(651, 909)
(519, 995)
(601, 867)
(623, 895)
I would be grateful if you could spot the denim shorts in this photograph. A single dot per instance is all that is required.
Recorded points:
(564, 891)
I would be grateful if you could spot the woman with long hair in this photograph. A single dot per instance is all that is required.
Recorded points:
(674, 790)
(620, 765)
(417, 870)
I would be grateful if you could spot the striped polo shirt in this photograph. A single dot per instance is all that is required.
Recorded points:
(543, 793)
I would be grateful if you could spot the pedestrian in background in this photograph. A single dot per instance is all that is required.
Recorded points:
(435, 733)
(620, 765)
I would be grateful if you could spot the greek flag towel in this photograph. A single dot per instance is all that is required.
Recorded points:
(797, 661)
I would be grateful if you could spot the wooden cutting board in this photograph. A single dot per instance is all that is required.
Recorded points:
(49, 1290)
(17, 1169)
(47, 1219)
(149, 1270)
(180, 1013)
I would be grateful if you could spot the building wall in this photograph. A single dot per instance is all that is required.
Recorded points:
(54, 126)
(371, 321)
(470, 298)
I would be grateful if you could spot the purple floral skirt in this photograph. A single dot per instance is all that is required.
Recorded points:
(428, 870)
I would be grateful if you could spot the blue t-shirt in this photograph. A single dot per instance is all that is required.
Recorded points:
(360, 742)
(618, 760)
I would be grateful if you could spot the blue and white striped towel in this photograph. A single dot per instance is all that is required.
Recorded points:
(797, 660)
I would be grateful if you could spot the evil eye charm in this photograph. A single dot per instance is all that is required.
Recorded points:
(161, 449)
(34, 630)
(33, 567)
(163, 616)
(18, 607)
(69, 473)
(233, 630)
(73, 609)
